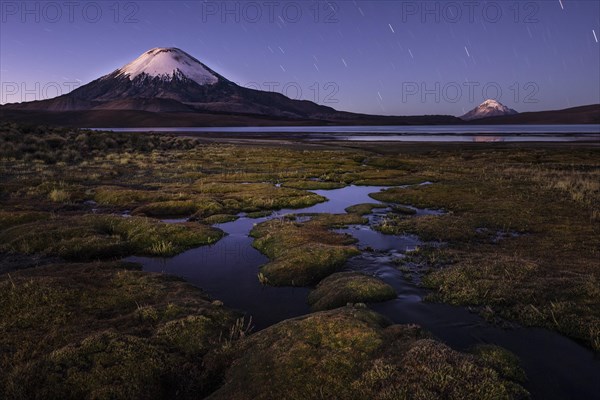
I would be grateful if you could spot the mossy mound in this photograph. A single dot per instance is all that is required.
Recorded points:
(342, 288)
(91, 237)
(313, 185)
(305, 265)
(104, 330)
(258, 214)
(220, 219)
(302, 253)
(204, 199)
(119, 196)
(172, 208)
(353, 353)
(252, 197)
(403, 210)
(502, 360)
(364, 208)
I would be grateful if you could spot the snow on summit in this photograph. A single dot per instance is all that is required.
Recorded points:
(167, 63)
(489, 108)
(490, 103)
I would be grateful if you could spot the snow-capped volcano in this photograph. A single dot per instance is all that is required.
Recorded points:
(489, 108)
(166, 86)
(168, 63)
(167, 79)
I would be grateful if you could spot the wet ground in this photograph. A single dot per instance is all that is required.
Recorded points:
(557, 367)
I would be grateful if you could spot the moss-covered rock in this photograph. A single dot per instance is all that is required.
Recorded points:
(259, 214)
(305, 265)
(363, 208)
(354, 353)
(301, 253)
(220, 218)
(313, 185)
(505, 362)
(342, 288)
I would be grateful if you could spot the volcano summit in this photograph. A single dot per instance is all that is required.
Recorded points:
(170, 80)
(166, 86)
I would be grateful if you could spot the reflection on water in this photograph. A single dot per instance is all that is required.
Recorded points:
(227, 270)
(471, 138)
(488, 139)
(557, 367)
(425, 133)
(384, 129)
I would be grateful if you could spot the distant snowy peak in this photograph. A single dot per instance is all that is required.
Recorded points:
(168, 63)
(494, 105)
(489, 108)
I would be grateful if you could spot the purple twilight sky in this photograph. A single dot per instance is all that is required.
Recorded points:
(382, 57)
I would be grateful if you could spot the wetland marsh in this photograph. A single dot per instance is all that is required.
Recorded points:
(188, 257)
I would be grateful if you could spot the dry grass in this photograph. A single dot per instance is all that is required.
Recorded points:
(581, 186)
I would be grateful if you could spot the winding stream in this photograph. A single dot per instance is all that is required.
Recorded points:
(557, 367)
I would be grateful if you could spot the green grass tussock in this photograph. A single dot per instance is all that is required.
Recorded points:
(116, 196)
(220, 219)
(301, 253)
(91, 237)
(313, 185)
(173, 208)
(342, 288)
(364, 208)
(253, 197)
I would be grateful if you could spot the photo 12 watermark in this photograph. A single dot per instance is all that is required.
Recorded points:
(472, 92)
(52, 12)
(18, 92)
(317, 92)
(471, 12)
(325, 12)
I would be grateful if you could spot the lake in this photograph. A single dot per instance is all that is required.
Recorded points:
(427, 133)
